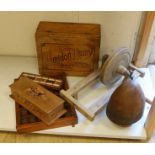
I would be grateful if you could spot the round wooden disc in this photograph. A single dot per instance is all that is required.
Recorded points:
(109, 73)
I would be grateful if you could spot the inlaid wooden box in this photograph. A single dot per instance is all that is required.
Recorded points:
(26, 122)
(72, 48)
(42, 103)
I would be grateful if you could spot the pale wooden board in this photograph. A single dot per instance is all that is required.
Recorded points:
(11, 67)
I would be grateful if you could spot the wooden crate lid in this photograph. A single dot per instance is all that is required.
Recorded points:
(36, 94)
(72, 28)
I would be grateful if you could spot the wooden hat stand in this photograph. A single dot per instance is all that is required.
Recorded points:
(111, 71)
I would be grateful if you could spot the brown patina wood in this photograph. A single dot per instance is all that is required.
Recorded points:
(72, 48)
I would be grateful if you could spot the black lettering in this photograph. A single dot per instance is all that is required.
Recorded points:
(91, 52)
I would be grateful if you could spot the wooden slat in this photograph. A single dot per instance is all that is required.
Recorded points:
(85, 82)
(143, 56)
(82, 109)
(61, 27)
(150, 122)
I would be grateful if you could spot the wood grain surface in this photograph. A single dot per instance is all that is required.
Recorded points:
(72, 48)
(47, 106)
(142, 57)
(9, 137)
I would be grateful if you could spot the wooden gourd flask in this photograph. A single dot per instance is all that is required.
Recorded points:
(126, 104)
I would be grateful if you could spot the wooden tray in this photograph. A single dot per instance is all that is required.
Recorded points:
(72, 48)
(27, 122)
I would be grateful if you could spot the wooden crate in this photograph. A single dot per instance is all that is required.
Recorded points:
(72, 48)
(27, 122)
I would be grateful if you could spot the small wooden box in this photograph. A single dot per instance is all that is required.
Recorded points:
(72, 48)
(26, 122)
(38, 100)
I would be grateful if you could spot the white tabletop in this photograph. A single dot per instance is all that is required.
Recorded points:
(12, 67)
